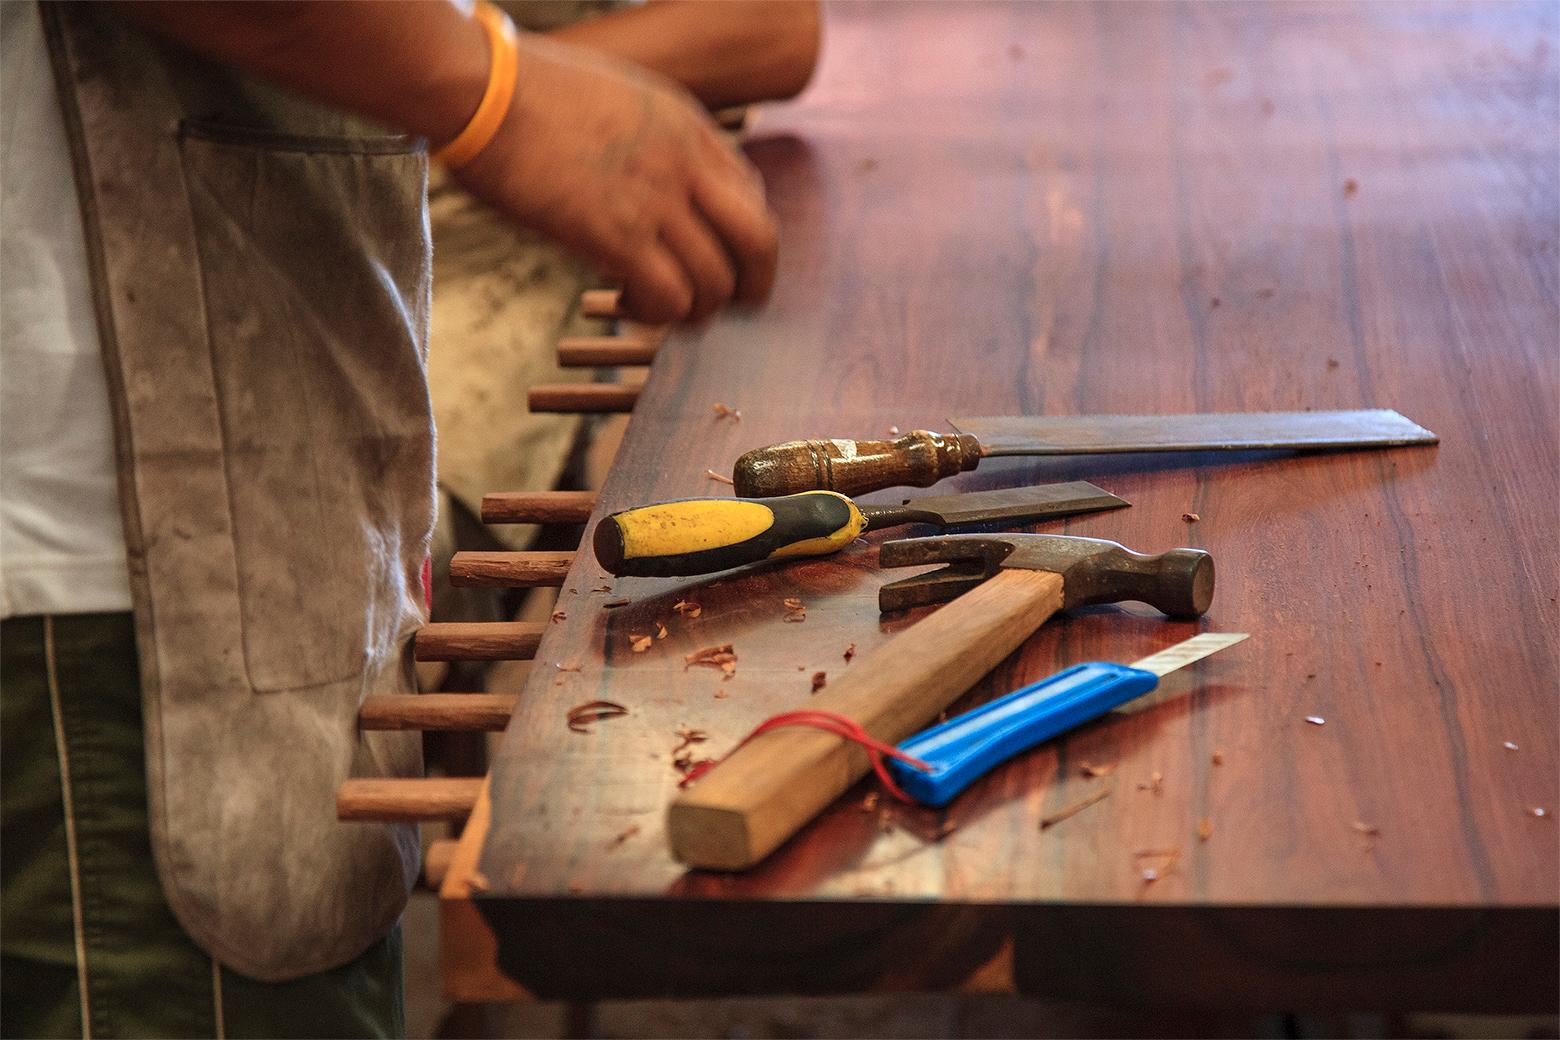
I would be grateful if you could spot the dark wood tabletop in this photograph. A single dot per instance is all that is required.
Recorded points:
(1026, 209)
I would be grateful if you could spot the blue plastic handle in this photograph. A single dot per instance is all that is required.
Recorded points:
(963, 748)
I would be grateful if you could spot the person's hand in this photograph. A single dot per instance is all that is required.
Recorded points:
(629, 170)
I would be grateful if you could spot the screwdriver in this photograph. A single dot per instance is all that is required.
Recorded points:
(703, 535)
(966, 747)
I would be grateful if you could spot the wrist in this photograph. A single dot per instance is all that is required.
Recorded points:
(484, 88)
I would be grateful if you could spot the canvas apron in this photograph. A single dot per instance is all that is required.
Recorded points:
(261, 273)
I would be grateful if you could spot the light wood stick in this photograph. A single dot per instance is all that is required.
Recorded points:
(605, 351)
(478, 640)
(583, 397)
(427, 798)
(599, 303)
(456, 711)
(538, 507)
(761, 795)
(509, 570)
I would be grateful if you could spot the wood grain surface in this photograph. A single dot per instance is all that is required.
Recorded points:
(1117, 208)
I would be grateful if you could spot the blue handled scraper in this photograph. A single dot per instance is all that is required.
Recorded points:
(964, 748)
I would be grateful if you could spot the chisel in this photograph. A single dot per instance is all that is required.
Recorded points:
(966, 747)
(921, 458)
(704, 535)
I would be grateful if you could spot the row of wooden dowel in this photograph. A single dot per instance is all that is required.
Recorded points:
(452, 798)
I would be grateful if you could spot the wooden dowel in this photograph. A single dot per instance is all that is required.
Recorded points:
(599, 303)
(538, 507)
(436, 861)
(583, 397)
(478, 640)
(457, 711)
(509, 570)
(605, 351)
(429, 798)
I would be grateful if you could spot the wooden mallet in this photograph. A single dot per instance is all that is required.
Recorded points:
(1007, 586)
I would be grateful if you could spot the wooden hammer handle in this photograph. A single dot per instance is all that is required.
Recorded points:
(762, 794)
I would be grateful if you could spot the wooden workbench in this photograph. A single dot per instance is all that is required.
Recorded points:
(1035, 209)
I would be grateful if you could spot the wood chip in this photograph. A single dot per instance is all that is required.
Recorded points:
(819, 681)
(566, 667)
(870, 802)
(612, 603)
(1368, 829)
(687, 737)
(1217, 758)
(1154, 781)
(1509, 746)
(1316, 720)
(686, 609)
(660, 630)
(639, 644)
(632, 830)
(720, 477)
(602, 588)
(1156, 871)
(582, 715)
(1204, 829)
(722, 412)
(1075, 808)
(850, 651)
(720, 656)
(792, 603)
(795, 610)
(893, 431)
(1094, 772)
(559, 615)
(1190, 518)
(1539, 811)
(685, 763)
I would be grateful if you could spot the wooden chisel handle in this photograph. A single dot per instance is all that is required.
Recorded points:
(763, 793)
(920, 459)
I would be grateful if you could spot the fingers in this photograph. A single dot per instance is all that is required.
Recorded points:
(703, 259)
(737, 213)
(656, 288)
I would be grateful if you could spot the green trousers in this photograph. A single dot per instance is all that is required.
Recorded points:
(88, 945)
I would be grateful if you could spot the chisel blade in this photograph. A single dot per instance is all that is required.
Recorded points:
(1213, 431)
(1185, 652)
(1040, 502)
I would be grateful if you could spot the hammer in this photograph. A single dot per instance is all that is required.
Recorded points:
(1006, 587)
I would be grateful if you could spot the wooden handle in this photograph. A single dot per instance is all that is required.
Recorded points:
(762, 794)
(429, 798)
(583, 397)
(605, 351)
(452, 711)
(599, 303)
(509, 570)
(538, 507)
(920, 459)
(478, 640)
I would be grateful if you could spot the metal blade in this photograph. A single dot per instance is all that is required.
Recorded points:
(1185, 652)
(1215, 431)
(1022, 503)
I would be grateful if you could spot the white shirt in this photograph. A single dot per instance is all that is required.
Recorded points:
(62, 547)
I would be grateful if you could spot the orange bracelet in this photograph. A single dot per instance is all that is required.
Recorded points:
(502, 72)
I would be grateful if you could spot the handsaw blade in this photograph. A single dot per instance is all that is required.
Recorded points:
(1039, 502)
(1185, 652)
(1213, 431)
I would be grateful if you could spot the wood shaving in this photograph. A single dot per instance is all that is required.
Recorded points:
(612, 603)
(1315, 720)
(639, 644)
(893, 431)
(714, 656)
(1370, 830)
(850, 651)
(632, 830)
(1154, 781)
(870, 802)
(559, 615)
(1539, 811)
(1190, 518)
(582, 715)
(792, 603)
(660, 630)
(722, 412)
(1154, 872)
(1094, 772)
(602, 588)
(685, 763)
(566, 667)
(686, 609)
(819, 681)
(1204, 829)
(719, 477)
(688, 737)
(721, 695)
(795, 609)
(1075, 808)
(1509, 746)
(1217, 758)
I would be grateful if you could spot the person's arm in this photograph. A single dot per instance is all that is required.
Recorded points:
(734, 52)
(613, 161)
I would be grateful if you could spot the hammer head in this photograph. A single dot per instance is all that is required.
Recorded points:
(1093, 570)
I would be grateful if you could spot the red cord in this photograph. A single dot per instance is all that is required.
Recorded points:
(840, 725)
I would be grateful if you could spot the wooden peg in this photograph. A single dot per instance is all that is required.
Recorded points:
(605, 351)
(426, 798)
(538, 507)
(510, 570)
(599, 303)
(478, 640)
(584, 397)
(453, 711)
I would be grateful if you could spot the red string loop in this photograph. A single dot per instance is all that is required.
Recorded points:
(839, 725)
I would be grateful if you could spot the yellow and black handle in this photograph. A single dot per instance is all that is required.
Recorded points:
(703, 535)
